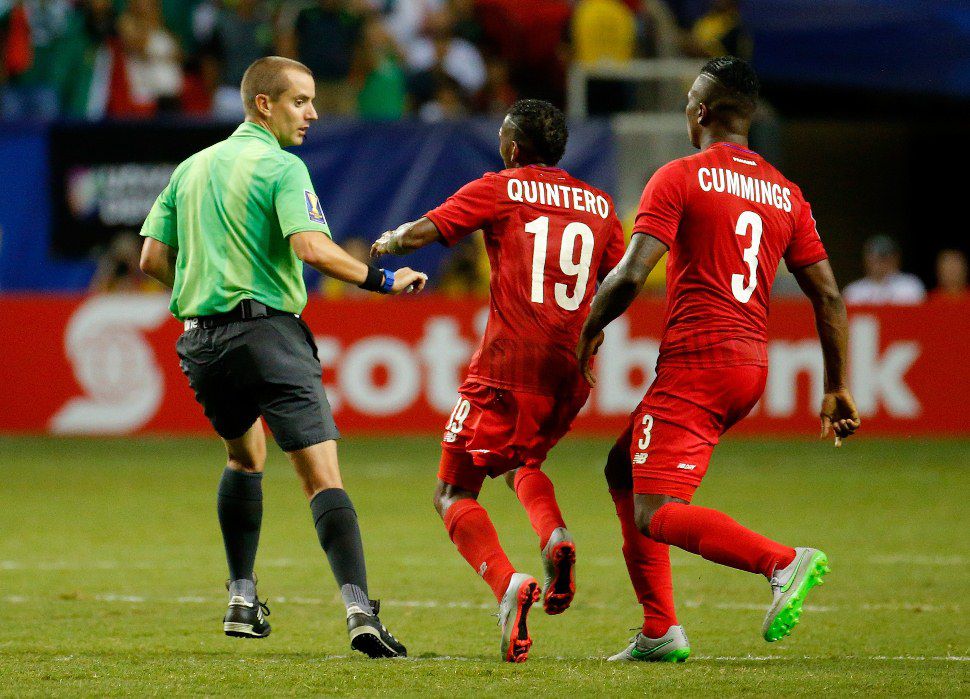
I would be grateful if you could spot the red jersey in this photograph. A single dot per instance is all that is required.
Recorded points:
(729, 217)
(549, 239)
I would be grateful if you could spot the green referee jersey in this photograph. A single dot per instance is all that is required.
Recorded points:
(229, 210)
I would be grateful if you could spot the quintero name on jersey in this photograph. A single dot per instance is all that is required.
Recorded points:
(559, 195)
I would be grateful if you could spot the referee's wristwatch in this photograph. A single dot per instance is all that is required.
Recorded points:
(379, 280)
(388, 284)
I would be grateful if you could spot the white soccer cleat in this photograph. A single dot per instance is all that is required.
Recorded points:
(789, 587)
(672, 647)
(521, 594)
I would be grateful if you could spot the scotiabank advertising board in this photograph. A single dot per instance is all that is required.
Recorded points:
(107, 365)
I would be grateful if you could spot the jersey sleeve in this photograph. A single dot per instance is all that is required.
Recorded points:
(805, 247)
(296, 203)
(162, 221)
(465, 211)
(615, 247)
(662, 204)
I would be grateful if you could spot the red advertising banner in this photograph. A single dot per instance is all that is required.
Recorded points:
(107, 365)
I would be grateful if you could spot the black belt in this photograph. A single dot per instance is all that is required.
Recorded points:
(246, 310)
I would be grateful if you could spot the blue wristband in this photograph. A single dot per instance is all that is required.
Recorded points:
(388, 281)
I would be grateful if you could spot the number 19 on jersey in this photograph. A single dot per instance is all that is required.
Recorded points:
(576, 230)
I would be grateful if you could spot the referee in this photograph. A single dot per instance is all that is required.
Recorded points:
(230, 234)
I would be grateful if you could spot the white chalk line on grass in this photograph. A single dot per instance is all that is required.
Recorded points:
(438, 604)
(888, 658)
(77, 565)
(594, 561)
(694, 658)
(276, 563)
(264, 660)
(908, 559)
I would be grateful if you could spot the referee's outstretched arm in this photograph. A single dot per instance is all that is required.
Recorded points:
(324, 255)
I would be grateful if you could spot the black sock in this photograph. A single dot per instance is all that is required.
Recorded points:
(336, 522)
(240, 507)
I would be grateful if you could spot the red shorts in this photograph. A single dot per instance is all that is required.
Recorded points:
(494, 430)
(674, 430)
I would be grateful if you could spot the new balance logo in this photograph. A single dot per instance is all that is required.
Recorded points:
(482, 569)
(450, 437)
(686, 467)
(640, 458)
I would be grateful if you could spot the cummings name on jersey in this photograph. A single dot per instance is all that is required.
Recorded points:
(751, 188)
(559, 195)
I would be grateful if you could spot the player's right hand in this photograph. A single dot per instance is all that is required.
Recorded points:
(385, 245)
(380, 245)
(407, 279)
(839, 415)
(585, 350)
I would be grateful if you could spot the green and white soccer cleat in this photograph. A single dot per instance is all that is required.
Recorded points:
(672, 647)
(559, 562)
(789, 586)
(521, 594)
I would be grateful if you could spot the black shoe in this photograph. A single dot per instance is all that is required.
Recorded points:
(246, 619)
(368, 635)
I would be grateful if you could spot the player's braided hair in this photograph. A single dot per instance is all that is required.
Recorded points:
(735, 75)
(541, 127)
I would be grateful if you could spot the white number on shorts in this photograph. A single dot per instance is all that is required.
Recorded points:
(458, 415)
(647, 428)
(567, 300)
(742, 291)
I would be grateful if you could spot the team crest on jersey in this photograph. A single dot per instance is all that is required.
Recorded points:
(313, 209)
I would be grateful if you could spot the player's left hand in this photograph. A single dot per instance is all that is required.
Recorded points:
(584, 353)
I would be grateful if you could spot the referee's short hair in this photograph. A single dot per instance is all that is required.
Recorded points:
(267, 76)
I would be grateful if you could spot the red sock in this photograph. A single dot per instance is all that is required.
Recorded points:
(648, 562)
(470, 527)
(718, 538)
(538, 497)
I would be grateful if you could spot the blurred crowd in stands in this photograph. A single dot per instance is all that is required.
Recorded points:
(885, 284)
(372, 59)
(376, 59)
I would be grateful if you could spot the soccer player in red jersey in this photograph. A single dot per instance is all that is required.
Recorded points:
(727, 218)
(549, 239)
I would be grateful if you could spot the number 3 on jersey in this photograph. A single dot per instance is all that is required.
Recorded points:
(743, 288)
(540, 229)
(644, 441)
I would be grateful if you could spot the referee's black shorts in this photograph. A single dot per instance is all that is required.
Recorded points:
(265, 366)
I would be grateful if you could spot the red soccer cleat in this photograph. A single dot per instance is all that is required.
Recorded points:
(559, 560)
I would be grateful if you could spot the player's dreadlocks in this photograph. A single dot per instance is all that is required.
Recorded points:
(541, 128)
(736, 78)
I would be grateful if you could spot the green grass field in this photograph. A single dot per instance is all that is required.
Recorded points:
(112, 570)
